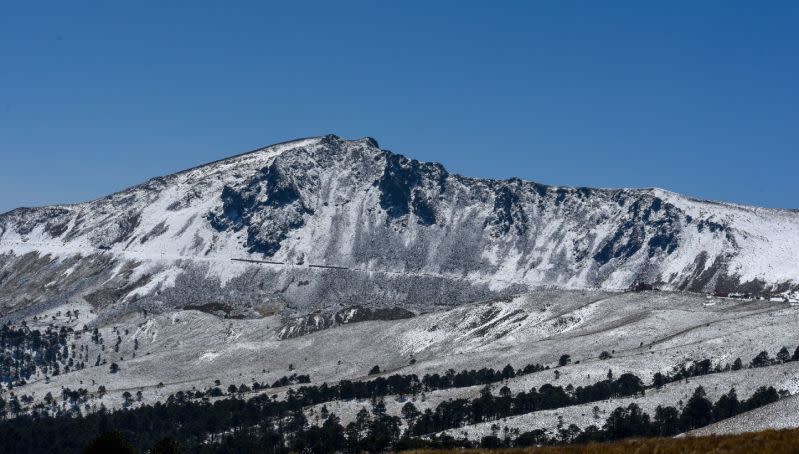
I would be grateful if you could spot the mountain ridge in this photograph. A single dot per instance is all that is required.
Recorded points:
(652, 189)
(402, 233)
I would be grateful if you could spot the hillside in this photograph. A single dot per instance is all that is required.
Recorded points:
(70, 365)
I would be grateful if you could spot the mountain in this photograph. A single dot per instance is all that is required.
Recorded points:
(327, 231)
(482, 302)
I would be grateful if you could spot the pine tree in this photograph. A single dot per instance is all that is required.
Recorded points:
(379, 408)
(727, 406)
(783, 355)
(667, 421)
(761, 360)
(698, 411)
(410, 412)
(658, 380)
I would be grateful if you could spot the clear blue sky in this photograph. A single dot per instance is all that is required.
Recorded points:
(700, 97)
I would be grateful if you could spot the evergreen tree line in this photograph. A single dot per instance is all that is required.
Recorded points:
(289, 430)
(705, 366)
(396, 384)
(216, 391)
(411, 384)
(487, 407)
(309, 395)
(631, 421)
(262, 424)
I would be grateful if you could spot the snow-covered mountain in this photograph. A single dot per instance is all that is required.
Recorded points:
(350, 230)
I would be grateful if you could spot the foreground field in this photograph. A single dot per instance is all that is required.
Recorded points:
(770, 441)
(554, 357)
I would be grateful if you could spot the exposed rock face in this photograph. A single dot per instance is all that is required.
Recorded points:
(306, 324)
(345, 223)
(267, 205)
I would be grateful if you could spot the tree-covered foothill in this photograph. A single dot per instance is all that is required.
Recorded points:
(262, 424)
(226, 421)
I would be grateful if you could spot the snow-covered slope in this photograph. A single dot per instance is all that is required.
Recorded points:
(646, 332)
(350, 224)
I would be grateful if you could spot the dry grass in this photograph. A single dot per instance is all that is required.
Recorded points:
(770, 441)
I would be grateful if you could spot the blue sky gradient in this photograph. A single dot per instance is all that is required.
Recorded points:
(697, 97)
